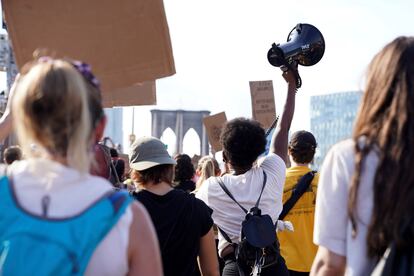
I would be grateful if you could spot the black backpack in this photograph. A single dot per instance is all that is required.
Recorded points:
(398, 261)
(258, 247)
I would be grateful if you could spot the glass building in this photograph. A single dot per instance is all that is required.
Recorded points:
(332, 118)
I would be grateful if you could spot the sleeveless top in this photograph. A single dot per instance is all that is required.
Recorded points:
(69, 193)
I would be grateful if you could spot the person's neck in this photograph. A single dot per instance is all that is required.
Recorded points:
(161, 188)
(239, 171)
(59, 159)
(294, 164)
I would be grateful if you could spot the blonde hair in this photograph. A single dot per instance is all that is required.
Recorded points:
(207, 167)
(50, 109)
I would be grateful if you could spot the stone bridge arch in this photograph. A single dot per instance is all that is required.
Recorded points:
(180, 121)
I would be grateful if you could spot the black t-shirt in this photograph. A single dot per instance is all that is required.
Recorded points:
(186, 185)
(180, 220)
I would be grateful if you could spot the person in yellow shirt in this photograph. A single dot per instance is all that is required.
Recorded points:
(297, 248)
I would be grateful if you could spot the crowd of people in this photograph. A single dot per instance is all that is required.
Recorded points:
(68, 205)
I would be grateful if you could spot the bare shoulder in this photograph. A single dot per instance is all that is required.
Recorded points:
(139, 212)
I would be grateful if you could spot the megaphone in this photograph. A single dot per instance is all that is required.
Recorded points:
(305, 45)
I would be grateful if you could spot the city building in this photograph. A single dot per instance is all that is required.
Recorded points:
(332, 118)
(113, 128)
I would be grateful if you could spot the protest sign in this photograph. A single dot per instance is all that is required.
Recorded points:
(139, 94)
(125, 42)
(214, 125)
(263, 102)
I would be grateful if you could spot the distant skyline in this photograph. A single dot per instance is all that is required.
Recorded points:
(219, 46)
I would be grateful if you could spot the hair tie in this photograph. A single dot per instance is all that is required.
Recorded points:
(86, 71)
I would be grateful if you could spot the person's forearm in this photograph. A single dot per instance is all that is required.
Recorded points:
(288, 110)
(280, 136)
(327, 263)
(324, 269)
(6, 125)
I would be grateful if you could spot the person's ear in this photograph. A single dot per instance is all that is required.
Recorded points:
(100, 129)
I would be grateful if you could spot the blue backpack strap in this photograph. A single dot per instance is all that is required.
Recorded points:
(119, 200)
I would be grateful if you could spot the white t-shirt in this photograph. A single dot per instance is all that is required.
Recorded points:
(70, 193)
(332, 225)
(246, 190)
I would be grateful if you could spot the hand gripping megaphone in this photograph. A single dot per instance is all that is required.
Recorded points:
(305, 45)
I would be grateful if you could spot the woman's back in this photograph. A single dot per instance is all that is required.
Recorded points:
(333, 225)
(180, 221)
(58, 116)
(71, 193)
(372, 196)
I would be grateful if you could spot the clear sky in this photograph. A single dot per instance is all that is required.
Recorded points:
(221, 45)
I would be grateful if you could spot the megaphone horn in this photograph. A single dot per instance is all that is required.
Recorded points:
(305, 45)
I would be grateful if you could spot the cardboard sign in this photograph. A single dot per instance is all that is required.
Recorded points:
(125, 42)
(139, 94)
(263, 102)
(214, 125)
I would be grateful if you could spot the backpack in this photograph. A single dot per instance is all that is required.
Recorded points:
(397, 261)
(258, 246)
(39, 245)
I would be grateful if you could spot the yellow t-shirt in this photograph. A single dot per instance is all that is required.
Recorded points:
(297, 247)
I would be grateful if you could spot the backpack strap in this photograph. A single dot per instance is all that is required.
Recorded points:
(225, 236)
(301, 187)
(119, 199)
(229, 194)
(113, 171)
(221, 183)
(261, 192)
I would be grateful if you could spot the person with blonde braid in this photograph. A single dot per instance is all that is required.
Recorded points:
(207, 166)
(55, 217)
(365, 196)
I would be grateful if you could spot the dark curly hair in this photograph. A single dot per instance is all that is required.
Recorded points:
(243, 140)
(184, 170)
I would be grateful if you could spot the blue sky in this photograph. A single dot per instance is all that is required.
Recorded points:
(219, 46)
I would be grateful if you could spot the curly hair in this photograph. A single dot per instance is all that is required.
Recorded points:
(184, 170)
(243, 140)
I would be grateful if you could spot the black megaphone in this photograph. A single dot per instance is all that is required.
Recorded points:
(305, 45)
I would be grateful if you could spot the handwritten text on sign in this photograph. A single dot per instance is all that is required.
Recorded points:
(263, 102)
(214, 125)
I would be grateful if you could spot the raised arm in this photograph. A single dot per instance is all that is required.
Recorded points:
(279, 141)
